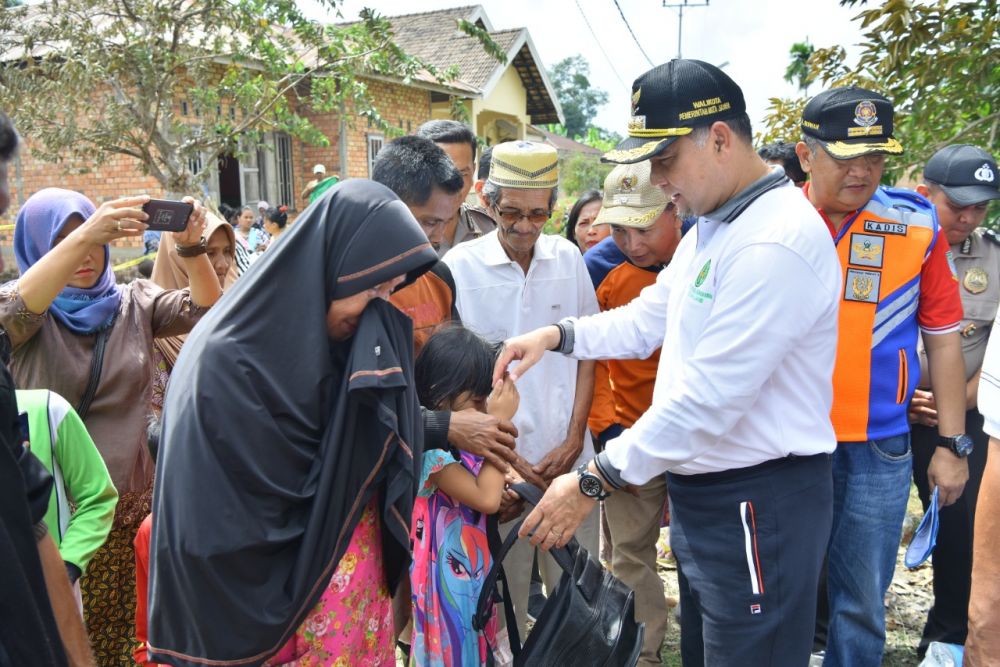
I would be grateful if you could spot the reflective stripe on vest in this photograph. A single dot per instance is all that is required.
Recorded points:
(882, 252)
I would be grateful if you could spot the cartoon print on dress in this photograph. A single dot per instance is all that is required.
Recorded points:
(451, 559)
(466, 557)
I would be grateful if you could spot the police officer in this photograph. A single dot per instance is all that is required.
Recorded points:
(960, 181)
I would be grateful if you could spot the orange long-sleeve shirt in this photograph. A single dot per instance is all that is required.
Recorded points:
(623, 388)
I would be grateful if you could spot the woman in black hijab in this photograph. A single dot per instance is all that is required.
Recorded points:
(291, 433)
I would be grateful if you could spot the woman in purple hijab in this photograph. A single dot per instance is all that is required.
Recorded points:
(76, 332)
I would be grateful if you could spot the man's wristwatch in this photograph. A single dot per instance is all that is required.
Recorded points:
(590, 484)
(960, 445)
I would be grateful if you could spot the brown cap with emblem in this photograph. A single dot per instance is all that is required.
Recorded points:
(671, 100)
(630, 200)
(851, 122)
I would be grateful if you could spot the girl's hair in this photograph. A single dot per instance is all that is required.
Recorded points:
(574, 213)
(277, 215)
(153, 436)
(246, 208)
(453, 361)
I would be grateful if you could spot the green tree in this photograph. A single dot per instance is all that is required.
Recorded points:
(579, 100)
(798, 71)
(936, 60)
(580, 172)
(180, 83)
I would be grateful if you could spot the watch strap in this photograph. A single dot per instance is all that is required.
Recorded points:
(199, 248)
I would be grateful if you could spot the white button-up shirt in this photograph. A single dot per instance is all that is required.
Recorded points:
(746, 314)
(989, 384)
(497, 300)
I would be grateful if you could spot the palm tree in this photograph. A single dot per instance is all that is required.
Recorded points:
(798, 69)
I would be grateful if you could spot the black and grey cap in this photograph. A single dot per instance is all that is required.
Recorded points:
(851, 122)
(967, 174)
(671, 100)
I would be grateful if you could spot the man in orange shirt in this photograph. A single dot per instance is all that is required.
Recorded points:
(423, 176)
(645, 231)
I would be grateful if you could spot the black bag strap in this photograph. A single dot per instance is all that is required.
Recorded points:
(96, 367)
(496, 545)
(564, 556)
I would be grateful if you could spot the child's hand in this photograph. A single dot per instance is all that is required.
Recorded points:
(504, 399)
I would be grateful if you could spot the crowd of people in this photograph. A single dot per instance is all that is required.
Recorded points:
(304, 452)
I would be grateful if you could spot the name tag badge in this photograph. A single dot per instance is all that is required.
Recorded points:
(885, 227)
(867, 250)
(862, 286)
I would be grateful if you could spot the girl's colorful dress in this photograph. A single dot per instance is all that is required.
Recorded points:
(451, 558)
(352, 624)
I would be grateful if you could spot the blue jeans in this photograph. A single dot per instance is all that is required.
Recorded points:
(871, 485)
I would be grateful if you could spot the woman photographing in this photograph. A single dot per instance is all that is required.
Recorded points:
(78, 333)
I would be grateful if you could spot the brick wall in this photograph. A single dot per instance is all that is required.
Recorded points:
(404, 107)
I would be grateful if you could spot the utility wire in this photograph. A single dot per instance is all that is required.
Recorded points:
(598, 42)
(634, 38)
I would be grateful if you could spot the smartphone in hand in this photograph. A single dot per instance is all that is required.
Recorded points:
(167, 216)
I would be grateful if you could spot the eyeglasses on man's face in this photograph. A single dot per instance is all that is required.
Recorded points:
(512, 216)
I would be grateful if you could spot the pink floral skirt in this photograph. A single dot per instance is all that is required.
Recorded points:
(352, 624)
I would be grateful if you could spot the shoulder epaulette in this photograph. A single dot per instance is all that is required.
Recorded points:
(991, 235)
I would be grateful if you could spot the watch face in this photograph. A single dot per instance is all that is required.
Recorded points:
(963, 445)
(590, 486)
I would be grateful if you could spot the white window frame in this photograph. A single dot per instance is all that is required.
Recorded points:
(375, 142)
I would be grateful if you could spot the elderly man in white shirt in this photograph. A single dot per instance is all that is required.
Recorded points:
(516, 279)
(746, 314)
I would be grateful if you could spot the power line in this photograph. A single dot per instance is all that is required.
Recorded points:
(634, 38)
(598, 42)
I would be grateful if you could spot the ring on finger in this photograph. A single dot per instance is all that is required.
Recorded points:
(118, 225)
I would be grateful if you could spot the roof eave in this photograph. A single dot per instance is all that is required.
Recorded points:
(479, 14)
(524, 38)
(462, 90)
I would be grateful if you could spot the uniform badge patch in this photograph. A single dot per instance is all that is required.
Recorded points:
(885, 227)
(985, 173)
(976, 280)
(755, 609)
(628, 184)
(637, 123)
(867, 250)
(862, 286)
(865, 114)
(951, 265)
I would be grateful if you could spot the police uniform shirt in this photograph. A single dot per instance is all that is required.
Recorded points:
(977, 264)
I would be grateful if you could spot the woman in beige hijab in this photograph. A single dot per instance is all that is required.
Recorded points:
(170, 272)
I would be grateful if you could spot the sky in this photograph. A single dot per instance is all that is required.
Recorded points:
(752, 36)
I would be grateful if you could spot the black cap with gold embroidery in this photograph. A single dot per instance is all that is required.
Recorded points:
(671, 100)
(851, 122)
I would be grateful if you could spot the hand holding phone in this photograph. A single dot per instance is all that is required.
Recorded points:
(167, 216)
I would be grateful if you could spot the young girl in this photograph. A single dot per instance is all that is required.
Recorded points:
(451, 557)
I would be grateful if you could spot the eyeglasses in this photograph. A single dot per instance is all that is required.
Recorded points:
(512, 216)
